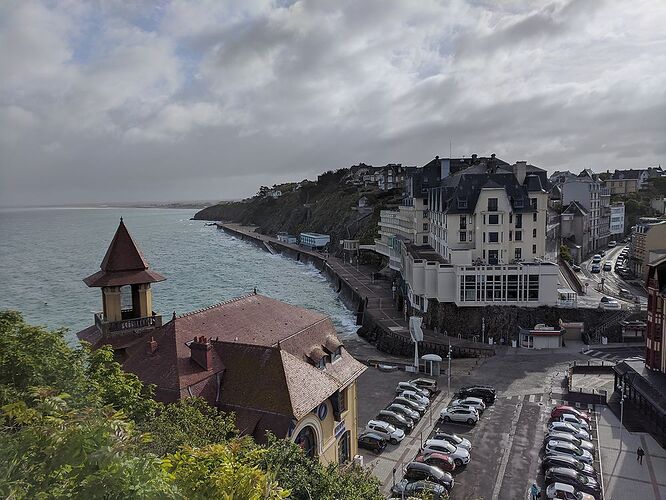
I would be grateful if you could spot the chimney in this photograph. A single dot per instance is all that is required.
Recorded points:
(152, 346)
(520, 171)
(200, 352)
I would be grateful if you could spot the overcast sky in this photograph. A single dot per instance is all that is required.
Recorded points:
(127, 100)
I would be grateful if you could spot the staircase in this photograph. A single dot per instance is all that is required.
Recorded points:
(597, 332)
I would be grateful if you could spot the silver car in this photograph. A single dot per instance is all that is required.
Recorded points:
(568, 449)
(408, 386)
(566, 427)
(459, 414)
(454, 439)
(404, 410)
(459, 455)
(476, 403)
(417, 398)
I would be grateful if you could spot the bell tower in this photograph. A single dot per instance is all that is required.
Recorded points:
(125, 278)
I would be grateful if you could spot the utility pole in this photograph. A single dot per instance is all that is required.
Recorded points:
(448, 372)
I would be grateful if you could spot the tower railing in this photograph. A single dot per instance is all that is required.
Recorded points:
(125, 326)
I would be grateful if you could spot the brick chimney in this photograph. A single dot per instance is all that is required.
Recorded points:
(200, 352)
(152, 346)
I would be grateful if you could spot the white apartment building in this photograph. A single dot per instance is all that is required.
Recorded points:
(617, 219)
(481, 241)
(586, 189)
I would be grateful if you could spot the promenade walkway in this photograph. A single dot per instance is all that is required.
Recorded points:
(380, 297)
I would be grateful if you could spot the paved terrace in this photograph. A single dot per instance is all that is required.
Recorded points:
(380, 302)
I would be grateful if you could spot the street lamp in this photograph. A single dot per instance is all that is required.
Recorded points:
(448, 372)
(483, 330)
(621, 413)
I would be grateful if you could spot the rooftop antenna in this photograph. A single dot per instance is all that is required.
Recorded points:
(450, 148)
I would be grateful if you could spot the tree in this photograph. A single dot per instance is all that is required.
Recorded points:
(565, 253)
(192, 422)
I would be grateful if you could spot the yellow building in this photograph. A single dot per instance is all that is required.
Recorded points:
(278, 367)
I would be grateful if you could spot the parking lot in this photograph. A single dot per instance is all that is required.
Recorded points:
(506, 442)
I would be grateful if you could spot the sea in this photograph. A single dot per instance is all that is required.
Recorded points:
(46, 252)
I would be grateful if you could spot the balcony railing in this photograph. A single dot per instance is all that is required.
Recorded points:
(126, 325)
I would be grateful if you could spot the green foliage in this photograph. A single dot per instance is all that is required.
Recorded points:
(308, 479)
(191, 422)
(565, 253)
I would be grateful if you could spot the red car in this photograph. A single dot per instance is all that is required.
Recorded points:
(558, 411)
(444, 462)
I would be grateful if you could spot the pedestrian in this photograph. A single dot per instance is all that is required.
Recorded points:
(639, 455)
(535, 491)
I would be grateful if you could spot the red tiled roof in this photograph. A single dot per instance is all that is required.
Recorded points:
(123, 263)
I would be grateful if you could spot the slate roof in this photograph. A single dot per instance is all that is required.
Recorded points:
(123, 263)
(575, 208)
(627, 174)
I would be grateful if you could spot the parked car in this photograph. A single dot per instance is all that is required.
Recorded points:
(418, 471)
(596, 268)
(626, 293)
(425, 383)
(444, 462)
(396, 420)
(371, 441)
(582, 483)
(608, 266)
(561, 409)
(476, 403)
(454, 439)
(596, 258)
(566, 492)
(624, 273)
(576, 267)
(411, 404)
(405, 489)
(565, 436)
(459, 455)
(577, 422)
(612, 243)
(550, 461)
(459, 414)
(417, 398)
(386, 430)
(407, 386)
(568, 449)
(608, 303)
(568, 428)
(485, 392)
(404, 410)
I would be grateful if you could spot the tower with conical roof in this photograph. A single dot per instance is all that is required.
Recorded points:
(124, 269)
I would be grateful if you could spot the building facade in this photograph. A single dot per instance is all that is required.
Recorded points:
(575, 231)
(655, 354)
(314, 240)
(624, 182)
(277, 367)
(617, 219)
(646, 236)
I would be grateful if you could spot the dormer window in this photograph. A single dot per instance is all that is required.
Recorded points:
(322, 363)
(462, 202)
(518, 203)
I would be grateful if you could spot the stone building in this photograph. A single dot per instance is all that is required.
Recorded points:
(278, 367)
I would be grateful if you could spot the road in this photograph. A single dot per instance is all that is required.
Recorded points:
(612, 282)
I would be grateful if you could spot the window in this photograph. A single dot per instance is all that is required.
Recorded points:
(519, 236)
(425, 226)
(493, 219)
(534, 217)
(519, 253)
(533, 202)
(307, 440)
(344, 448)
(534, 249)
(511, 218)
(493, 237)
(519, 220)
(493, 257)
(518, 203)
(463, 222)
(463, 236)
(534, 233)
(533, 288)
(492, 204)
(462, 202)
(484, 237)
(425, 240)
(510, 235)
(344, 399)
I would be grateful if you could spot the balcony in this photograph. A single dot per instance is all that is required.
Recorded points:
(125, 326)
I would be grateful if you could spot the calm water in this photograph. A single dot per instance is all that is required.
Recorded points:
(45, 253)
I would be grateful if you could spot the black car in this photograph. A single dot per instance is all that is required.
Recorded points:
(396, 420)
(582, 483)
(551, 461)
(404, 489)
(418, 471)
(371, 441)
(485, 392)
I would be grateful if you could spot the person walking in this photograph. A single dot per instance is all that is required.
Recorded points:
(535, 491)
(639, 455)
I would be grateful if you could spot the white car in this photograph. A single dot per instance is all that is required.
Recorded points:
(572, 419)
(608, 303)
(476, 403)
(454, 439)
(596, 258)
(417, 398)
(386, 430)
(569, 450)
(566, 427)
(459, 455)
(406, 386)
(566, 492)
(459, 414)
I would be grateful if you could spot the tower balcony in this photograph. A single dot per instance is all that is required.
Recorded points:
(128, 324)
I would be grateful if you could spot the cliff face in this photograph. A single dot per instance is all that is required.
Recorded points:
(327, 206)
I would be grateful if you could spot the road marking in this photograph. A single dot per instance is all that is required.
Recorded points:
(506, 451)
(606, 355)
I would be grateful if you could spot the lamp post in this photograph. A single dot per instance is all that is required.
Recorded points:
(621, 413)
(483, 330)
(448, 372)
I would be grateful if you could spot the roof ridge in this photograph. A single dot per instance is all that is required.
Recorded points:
(212, 306)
